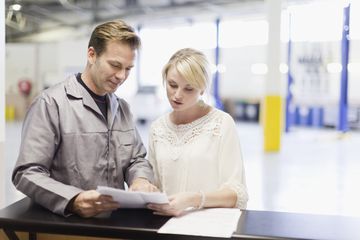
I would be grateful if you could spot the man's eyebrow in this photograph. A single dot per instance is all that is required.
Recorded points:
(115, 62)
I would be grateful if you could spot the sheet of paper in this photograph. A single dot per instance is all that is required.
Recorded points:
(129, 199)
(212, 222)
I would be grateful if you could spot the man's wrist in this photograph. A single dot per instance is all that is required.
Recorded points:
(70, 206)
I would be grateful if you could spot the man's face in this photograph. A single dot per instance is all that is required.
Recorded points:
(111, 68)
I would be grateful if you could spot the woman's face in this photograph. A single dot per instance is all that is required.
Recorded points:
(182, 96)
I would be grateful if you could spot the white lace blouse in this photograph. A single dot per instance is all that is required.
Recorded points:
(202, 155)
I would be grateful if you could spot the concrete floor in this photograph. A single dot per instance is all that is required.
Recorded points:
(316, 171)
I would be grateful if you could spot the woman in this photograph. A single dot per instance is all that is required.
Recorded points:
(195, 150)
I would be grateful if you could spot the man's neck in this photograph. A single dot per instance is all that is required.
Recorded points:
(86, 77)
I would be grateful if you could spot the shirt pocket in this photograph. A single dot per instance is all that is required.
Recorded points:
(123, 142)
(85, 157)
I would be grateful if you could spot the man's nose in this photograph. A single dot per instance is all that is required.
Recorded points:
(121, 74)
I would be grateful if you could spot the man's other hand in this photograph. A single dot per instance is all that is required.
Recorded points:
(142, 185)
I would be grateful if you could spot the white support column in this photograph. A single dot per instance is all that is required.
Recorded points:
(2, 103)
(273, 99)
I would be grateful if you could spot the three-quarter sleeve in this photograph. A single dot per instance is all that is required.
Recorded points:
(231, 167)
(152, 159)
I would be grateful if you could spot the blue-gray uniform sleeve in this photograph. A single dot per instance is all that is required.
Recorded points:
(139, 166)
(39, 143)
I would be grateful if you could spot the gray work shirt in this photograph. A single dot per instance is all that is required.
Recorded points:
(68, 146)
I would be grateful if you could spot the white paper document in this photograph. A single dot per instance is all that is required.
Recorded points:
(129, 199)
(212, 222)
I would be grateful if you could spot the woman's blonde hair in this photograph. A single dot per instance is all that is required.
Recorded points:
(192, 65)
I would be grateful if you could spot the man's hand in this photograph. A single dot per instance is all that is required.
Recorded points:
(142, 185)
(91, 203)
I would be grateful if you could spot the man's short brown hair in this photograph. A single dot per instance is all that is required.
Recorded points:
(116, 30)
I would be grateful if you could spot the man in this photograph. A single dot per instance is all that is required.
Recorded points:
(78, 135)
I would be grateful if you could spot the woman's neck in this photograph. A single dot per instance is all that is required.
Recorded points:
(190, 115)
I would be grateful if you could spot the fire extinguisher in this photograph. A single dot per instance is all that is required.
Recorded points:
(24, 86)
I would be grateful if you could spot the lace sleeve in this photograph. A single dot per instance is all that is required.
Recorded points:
(232, 173)
(152, 158)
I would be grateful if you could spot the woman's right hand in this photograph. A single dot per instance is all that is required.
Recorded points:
(178, 204)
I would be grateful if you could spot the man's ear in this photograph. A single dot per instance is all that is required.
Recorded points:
(91, 55)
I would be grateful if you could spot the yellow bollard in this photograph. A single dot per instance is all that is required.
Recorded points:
(9, 113)
(272, 123)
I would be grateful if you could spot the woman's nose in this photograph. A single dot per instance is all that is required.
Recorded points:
(178, 94)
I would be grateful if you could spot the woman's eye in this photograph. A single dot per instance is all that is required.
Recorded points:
(189, 89)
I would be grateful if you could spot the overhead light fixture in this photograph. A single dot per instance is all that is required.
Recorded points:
(15, 7)
(284, 68)
(334, 67)
(14, 18)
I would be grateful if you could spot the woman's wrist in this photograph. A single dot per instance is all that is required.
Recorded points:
(202, 200)
(198, 200)
(193, 200)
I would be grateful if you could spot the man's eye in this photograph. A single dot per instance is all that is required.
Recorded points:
(115, 65)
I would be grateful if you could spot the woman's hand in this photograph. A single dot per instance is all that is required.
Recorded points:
(177, 205)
